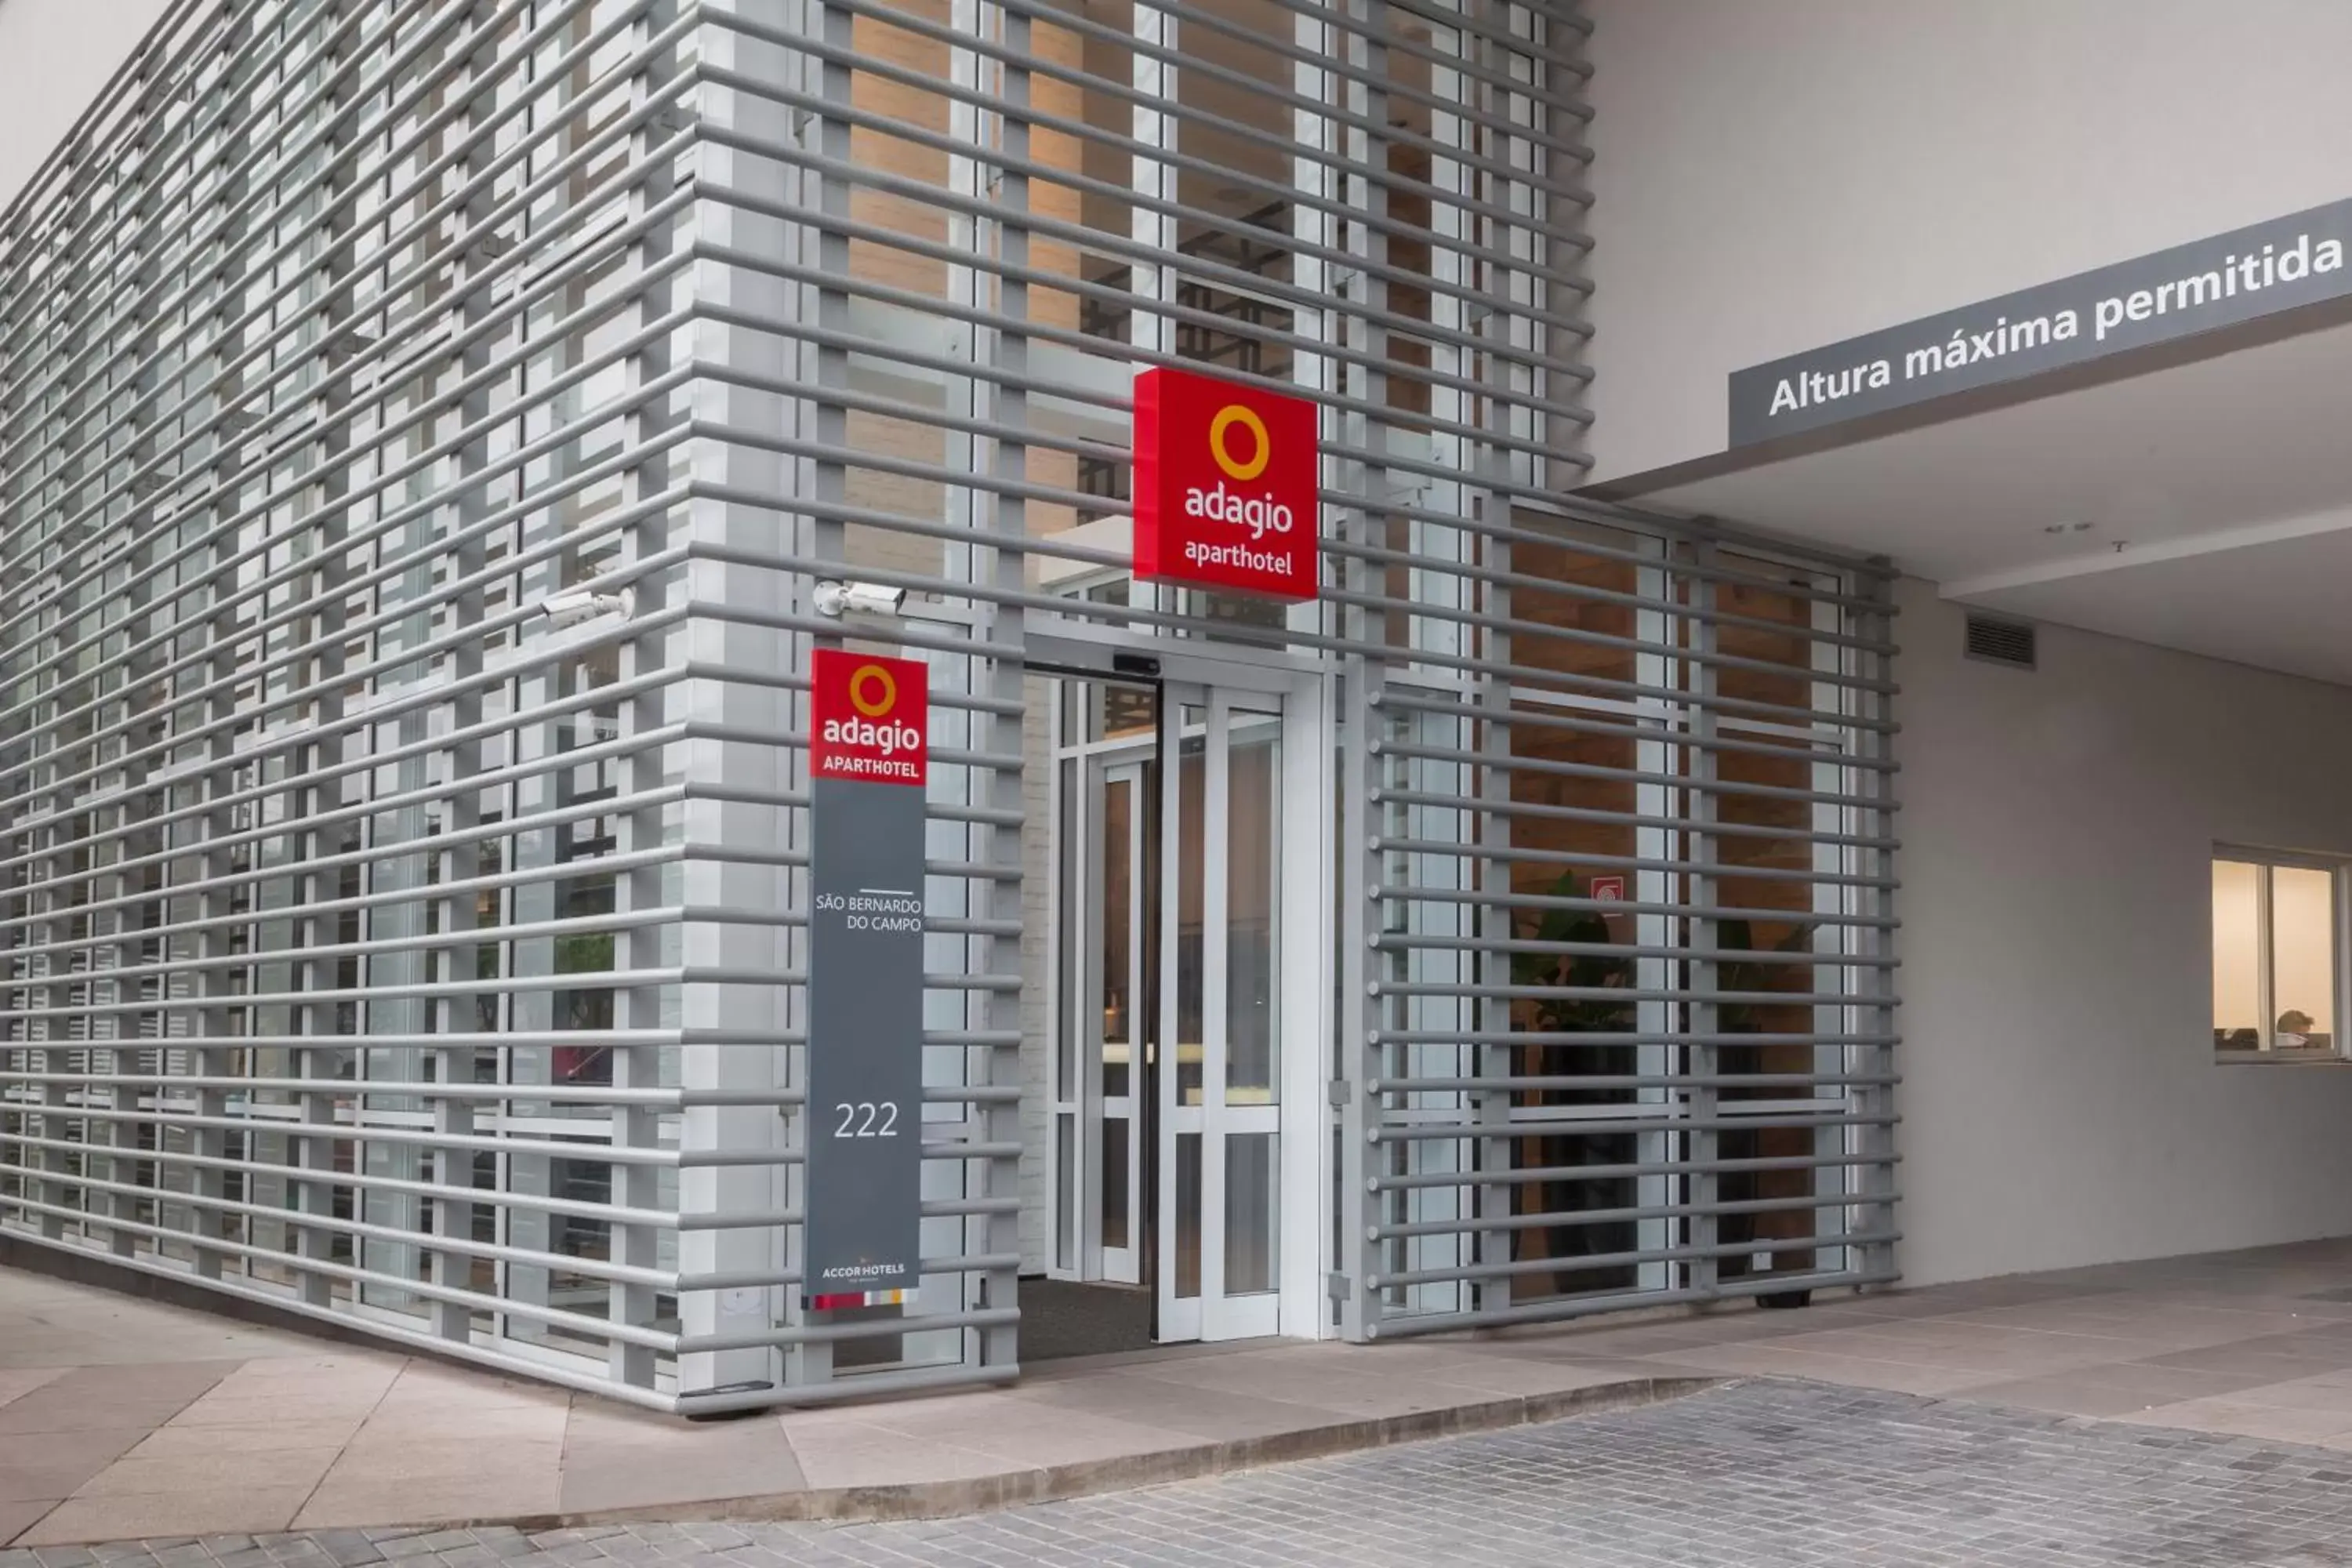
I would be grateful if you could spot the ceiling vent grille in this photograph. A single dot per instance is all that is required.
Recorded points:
(1996, 641)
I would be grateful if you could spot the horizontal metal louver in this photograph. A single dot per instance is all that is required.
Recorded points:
(377, 946)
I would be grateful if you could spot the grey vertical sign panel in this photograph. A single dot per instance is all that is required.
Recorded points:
(2250, 273)
(865, 1037)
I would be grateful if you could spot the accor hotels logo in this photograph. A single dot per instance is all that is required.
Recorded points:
(869, 718)
(1225, 485)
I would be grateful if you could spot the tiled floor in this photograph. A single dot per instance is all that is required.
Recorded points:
(120, 1419)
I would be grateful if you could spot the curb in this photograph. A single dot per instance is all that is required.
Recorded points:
(1058, 1483)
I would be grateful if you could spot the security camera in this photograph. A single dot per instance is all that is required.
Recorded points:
(580, 606)
(837, 599)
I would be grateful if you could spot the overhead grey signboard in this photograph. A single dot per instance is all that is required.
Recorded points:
(2241, 275)
(868, 755)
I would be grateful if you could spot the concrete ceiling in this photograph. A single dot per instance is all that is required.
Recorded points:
(2277, 605)
(2206, 505)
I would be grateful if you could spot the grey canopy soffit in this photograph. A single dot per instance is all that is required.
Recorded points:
(2246, 275)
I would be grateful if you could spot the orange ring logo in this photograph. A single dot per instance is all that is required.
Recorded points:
(1231, 414)
(880, 705)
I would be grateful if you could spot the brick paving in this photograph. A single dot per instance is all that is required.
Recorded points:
(1755, 1475)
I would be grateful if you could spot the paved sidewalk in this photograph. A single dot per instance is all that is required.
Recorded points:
(121, 1419)
(1755, 1476)
(227, 1430)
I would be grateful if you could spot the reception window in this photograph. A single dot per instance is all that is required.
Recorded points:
(2278, 956)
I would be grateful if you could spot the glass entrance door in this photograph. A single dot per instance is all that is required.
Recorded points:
(1169, 805)
(1217, 1089)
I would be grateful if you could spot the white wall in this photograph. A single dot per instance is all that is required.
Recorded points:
(2061, 1103)
(54, 54)
(1773, 176)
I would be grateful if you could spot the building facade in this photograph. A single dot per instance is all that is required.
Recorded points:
(438, 437)
(2168, 515)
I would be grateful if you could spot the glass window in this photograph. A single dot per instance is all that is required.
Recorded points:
(2276, 952)
(2237, 956)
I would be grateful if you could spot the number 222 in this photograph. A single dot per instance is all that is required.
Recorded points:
(871, 1111)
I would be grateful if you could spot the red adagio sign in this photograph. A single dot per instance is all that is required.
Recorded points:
(869, 718)
(1225, 486)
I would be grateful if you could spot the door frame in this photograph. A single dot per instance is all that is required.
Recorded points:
(1083, 772)
(1307, 973)
(1098, 771)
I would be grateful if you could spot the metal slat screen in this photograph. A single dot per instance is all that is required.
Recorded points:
(1627, 1030)
(338, 881)
(1615, 819)
(423, 429)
